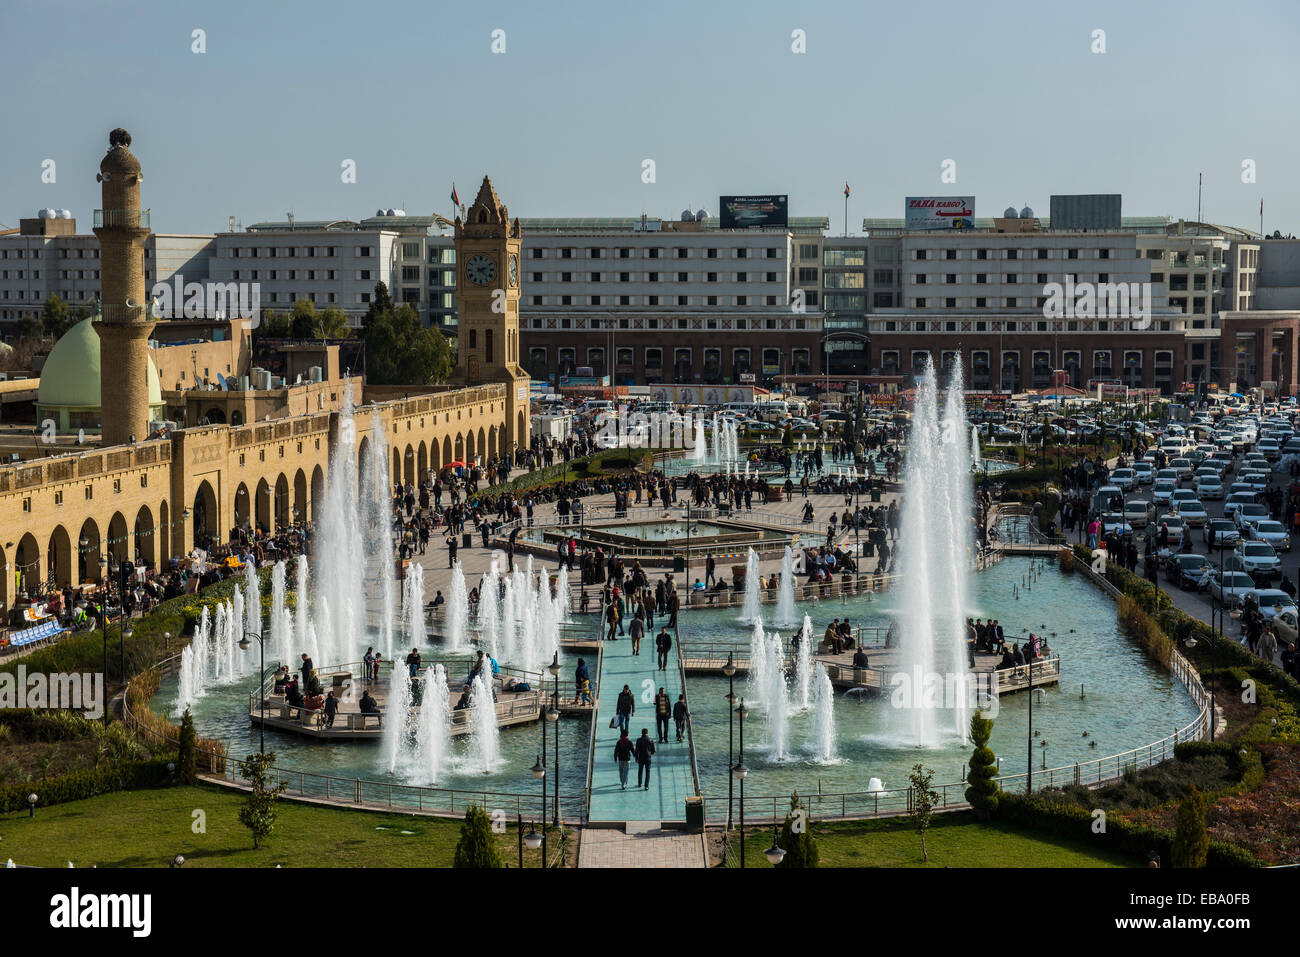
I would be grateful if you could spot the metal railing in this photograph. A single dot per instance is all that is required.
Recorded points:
(690, 735)
(133, 218)
(595, 710)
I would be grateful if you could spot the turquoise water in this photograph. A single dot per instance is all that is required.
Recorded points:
(1126, 702)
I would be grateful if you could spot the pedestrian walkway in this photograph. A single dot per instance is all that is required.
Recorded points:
(640, 844)
(670, 773)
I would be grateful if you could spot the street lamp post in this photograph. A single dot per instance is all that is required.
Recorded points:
(103, 618)
(729, 669)
(553, 716)
(261, 689)
(739, 772)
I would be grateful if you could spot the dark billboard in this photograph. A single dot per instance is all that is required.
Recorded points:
(753, 212)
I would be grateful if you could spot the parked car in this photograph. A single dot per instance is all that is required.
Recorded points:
(1237, 500)
(1146, 474)
(1124, 479)
(1175, 525)
(1190, 572)
(1274, 533)
(1225, 532)
(1258, 481)
(1229, 588)
(1271, 601)
(1113, 523)
(1138, 512)
(1259, 560)
(1251, 514)
(1208, 487)
(1193, 512)
(1286, 625)
(1168, 475)
(1161, 491)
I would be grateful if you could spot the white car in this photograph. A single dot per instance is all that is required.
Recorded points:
(1272, 451)
(1112, 523)
(1271, 601)
(1192, 512)
(1182, 495)
(1145, 473)
(1138, 512)
(1231, 587)
(1183, 467)
(1274, 533)
(1258, 481)
(1237, 500)
(1249, 516)
(1168, 475)
(1258, 559)
(1225, 532)
(1162, 490)
(1125, 479)
(1175, 525)
(1208, 487)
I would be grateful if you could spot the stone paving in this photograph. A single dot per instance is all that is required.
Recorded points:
(640, 844)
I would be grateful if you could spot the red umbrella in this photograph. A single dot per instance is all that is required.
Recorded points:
(456, 464)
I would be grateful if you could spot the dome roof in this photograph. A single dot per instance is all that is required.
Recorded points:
(71, 374)
(1026, 213)
(1009, 213)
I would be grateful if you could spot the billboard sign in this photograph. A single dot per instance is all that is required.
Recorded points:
(939, 212)
(753, 212)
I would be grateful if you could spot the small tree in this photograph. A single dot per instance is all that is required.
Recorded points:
(924, 798)
(477, 846)
(787, 438)
(982, 790)
(187, 758)
(258, 812)
(1191, 842)
(796, 837)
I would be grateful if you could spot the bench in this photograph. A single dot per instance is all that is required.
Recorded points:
(42, 632)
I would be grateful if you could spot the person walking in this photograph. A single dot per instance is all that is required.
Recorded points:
(663, 711)
(623, 756)
(680, 714)
(451, 551)
(645, 749)
(624, 708)
(636, 631)
(664, 644)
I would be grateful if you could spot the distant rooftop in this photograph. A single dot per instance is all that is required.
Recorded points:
(1128, 224)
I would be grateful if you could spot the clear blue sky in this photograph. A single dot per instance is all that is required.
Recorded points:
(260, 123)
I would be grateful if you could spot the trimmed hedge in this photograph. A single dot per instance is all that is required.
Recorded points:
(1039, 813)
(77, 785)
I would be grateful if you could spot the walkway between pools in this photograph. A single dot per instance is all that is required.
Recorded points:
(641, 811)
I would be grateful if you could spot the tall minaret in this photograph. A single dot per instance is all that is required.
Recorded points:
(125, 324)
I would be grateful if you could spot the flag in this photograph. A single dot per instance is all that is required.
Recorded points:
(455, 199)
(846, 190)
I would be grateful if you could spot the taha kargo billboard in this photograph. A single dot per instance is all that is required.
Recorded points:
(939, 212)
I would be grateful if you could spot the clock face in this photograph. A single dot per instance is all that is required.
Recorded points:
(480, 270)
(514, 270)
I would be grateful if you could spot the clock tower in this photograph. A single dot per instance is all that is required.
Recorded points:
(488, 272)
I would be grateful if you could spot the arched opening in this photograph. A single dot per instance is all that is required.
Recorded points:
(5, 575)
(118, 546)
(408, 466)
(421, 461)
(242, 506)
(521, 429)
(88, 552)
(317, 491)
(164, 535)
(470, 447)
(460, 448)
(27, 562)
(204, 515)
(59, 557)
(144, 538)
(263, 505)
(363, 450)
(484, 449)
(237, 418)
(397, 468)
(282, 504)
(502, 440)
(446, 452)
(215, 417)
(300, 497)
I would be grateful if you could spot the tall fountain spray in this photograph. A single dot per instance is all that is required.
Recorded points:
(974, 446)
(413, 605)
(934, 561)
(823, 726)
(338, 557)
(786, 613)
(803, 666)
(700, 454)
(767, 684)
(456, 612)
(486, 735)
(280, 638)
(252, 600)
(433, 732)
(489, 614)
(397, 729)
(751, 610)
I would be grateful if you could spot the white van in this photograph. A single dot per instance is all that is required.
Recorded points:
(771, 411)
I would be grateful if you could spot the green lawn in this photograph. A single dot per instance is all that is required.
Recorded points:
(954, 840)
(148, 828)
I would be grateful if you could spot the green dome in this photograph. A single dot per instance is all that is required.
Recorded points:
(70, 377)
